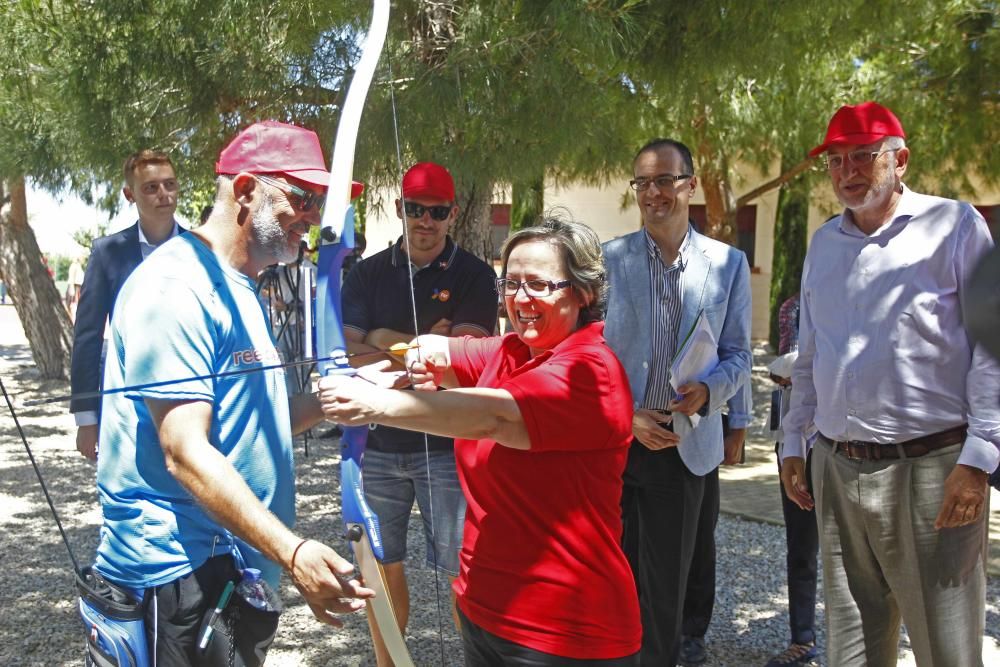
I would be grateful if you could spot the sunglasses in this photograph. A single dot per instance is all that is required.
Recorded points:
(305, 200)
(438, 213)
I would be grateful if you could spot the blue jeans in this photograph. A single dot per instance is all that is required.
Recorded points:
(394, 480)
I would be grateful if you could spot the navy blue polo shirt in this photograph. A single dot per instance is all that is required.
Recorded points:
(457, 286)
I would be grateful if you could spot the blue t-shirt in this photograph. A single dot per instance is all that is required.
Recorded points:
(181, 314)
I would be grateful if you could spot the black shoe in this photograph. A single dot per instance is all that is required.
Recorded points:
(795, 654)
(692, 651)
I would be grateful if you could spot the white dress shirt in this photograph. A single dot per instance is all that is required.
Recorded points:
(145, 247)
(883, 354)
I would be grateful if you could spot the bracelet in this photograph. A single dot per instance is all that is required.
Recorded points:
(291, 568)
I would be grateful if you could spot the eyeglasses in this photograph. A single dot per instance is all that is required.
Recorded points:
(304, 199)
(535, 287)
(414, 210)
(859, 158)
(663, 181)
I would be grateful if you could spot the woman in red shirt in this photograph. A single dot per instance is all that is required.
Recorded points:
(542, 419)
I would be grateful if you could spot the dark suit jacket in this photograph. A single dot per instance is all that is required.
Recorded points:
(112, 260)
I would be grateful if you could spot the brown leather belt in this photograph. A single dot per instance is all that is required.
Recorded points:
(859, 450)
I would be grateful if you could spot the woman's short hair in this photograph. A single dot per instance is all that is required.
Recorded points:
(580, 249)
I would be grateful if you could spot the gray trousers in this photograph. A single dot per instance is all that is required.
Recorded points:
(883, 561)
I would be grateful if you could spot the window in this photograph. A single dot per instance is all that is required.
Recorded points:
(992, 215)
(746, 227)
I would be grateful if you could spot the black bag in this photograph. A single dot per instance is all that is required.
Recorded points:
(241, 635)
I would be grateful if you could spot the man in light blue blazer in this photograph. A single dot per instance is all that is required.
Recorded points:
(660, 278)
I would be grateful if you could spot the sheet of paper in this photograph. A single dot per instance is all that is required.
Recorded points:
(696, 358)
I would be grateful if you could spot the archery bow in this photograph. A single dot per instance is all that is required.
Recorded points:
(337, 240)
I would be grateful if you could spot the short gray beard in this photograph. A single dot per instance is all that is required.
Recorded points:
(876, 193)
(268, 233)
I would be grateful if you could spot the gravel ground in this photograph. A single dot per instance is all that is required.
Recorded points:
(39, 624)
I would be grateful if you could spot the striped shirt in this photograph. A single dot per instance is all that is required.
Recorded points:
(665, 319)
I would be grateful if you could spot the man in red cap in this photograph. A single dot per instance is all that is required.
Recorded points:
(196, 477)
(898, 404)
(454, 294)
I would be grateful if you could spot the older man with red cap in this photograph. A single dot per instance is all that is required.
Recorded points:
(425, 277)
(196, 478)
(898, 404)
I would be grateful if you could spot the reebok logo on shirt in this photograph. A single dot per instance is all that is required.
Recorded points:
(268, 356)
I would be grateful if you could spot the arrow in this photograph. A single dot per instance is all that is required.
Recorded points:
(338, 362)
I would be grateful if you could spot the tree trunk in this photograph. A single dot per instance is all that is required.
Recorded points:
(720, 206)
(39, 306)
(790, 232)
(471, 229)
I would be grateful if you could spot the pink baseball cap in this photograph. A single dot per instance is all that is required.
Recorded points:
(270, 147)
(859, 124)
(427, 179)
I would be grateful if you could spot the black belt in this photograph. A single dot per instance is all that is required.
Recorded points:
(860, 450)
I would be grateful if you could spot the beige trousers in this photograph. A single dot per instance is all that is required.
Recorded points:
(883, 562)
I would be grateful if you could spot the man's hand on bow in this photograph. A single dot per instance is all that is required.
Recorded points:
(324, 579)
(648, 428)
(690, 398)
(793, 478)
(964, 497)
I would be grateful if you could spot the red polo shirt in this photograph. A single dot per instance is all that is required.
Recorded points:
(541, 561)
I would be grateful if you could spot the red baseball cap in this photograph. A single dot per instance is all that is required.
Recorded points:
(427, 179)
(860, 124)
(270, 147)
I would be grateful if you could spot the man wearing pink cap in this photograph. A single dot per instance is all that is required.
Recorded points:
(196, 478)
(455, 295)
(898, 404)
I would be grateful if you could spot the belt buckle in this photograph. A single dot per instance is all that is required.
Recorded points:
(847, 447)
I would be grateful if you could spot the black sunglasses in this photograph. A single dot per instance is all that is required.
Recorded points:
(438, 213)
(305, 199)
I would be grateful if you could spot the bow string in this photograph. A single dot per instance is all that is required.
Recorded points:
(336, 242)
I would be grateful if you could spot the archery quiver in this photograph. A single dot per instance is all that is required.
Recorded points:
(116, 633)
